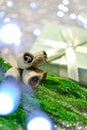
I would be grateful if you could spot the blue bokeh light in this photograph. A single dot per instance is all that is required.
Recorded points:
(39, 121)
(85, 25)
(9, 97)
(2, 14)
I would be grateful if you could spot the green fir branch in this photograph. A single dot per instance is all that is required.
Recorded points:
(62, 99)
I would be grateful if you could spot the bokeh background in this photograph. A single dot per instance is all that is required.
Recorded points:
(32, 15)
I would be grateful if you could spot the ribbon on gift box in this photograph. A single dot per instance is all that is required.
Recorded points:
(72, 67)
(68, 48)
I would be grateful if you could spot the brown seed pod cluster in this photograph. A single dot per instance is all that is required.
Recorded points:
(27, 69)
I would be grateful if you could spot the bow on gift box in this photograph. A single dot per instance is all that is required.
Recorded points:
(68, 48)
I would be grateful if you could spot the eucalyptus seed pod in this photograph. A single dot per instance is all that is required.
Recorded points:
(13, 72)
(42, 74)
(30, 77)
(39, 59)
(25, 61)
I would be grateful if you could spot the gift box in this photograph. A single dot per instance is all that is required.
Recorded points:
(66, 48)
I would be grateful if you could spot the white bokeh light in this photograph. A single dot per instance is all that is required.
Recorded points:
(82, 19)
(61, 6)
(7, 20)
(66, 2)
(85, 26)
(65, 9)
(36, 32)
(38, 120)
(33, 5)
(60, 14)
(10, 33)
(79, 17)
(39, 123)
(73, 16)
(9, 97)
(6, 104)
(10, 3)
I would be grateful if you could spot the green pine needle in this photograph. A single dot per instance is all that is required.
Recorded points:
(62, 99)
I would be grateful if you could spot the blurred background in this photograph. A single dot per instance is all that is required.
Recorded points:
(22, 21)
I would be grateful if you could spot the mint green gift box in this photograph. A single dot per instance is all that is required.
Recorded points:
(54, 40)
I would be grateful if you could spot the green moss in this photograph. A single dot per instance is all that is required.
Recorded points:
(65, 86)
(63, 99)
(4, 65)
(15, 121)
